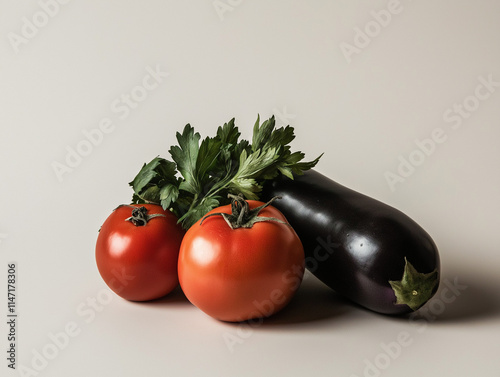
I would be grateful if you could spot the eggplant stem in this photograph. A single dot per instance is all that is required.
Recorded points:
(415, 288)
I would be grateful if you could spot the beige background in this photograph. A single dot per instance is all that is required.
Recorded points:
(363, 100)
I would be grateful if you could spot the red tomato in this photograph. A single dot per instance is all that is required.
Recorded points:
(244, 273)
(139, 262)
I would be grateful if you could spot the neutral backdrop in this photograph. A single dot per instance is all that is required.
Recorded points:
(402, 96)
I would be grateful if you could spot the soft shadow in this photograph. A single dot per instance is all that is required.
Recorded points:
(174, 298)
(461, 299)
(478, 300)
(313, 302)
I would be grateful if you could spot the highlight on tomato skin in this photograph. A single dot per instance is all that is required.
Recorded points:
(245, 272)
(137, 251)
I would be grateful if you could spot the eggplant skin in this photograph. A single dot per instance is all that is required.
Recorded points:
(353, 243)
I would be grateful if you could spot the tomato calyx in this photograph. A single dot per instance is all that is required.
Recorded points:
(141, 217)
(242, 216)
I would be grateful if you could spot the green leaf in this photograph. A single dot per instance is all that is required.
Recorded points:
(150, 171)
(202, 174)
(148, 182)
(185, 155)
(168, 195)
(294, 158)
(299, 167)
(286, 171)
(207, 159)
(248, 187)
(280, 137)
(228, 133)
(262, 133)
(243, 145)
(151, 194)
(197, 212)
(182, 205)
(136, 199)
(231, 148)
(250, 167)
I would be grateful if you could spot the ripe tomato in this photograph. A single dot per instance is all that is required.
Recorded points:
(137, 251)
(240, 274)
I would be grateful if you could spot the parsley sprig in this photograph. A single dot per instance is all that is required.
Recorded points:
(202, 174)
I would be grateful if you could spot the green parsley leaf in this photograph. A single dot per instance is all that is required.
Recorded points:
(150, 172)
(228, 133)
(185, 156)
(202, 175)
(168, 195)
(262, 133)
(251, 165)
(150, 180)
(207, 160)
(197, 212)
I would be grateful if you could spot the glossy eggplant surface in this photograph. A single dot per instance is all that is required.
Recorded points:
(365, 250)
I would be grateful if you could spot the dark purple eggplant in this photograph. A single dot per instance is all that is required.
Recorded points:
(367, 251)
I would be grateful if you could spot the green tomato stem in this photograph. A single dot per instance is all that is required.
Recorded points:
(242, 216)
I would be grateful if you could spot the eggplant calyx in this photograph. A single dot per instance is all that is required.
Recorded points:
(242, 216)
(415, 288)
(141, 217)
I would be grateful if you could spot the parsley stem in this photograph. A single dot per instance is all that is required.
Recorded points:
(193, 203)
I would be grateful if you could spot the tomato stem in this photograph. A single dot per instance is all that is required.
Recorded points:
(242, 216)
(141, 217)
